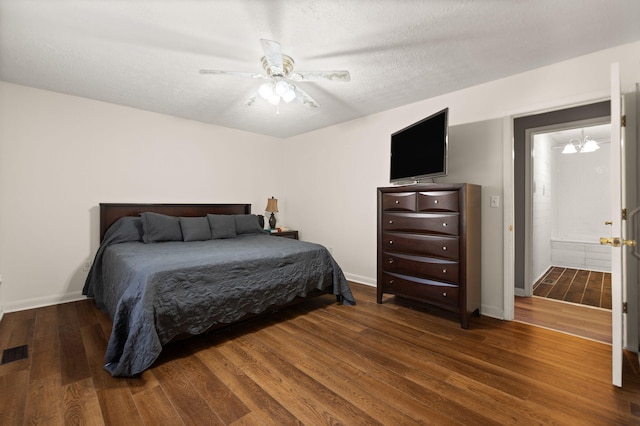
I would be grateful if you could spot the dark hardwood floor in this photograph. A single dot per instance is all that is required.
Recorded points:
(591, 288)
(317, 363)
(579, 320)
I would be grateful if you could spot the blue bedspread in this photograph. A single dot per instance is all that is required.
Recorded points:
(154, 292)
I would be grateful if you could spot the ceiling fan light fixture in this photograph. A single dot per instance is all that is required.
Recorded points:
(274, 99)
(289, 95)
(266, 90)
(279, 73)
(281, 87)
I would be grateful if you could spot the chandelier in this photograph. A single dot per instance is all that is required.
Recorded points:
(581, 145)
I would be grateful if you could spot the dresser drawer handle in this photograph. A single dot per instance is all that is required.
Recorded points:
(397, 201)
(444, 271)
(390, 222)
(435, 202)
(444, 294)
(390, 241)
(444, 224)
(391, 260)
(444, 248)
(390, 281)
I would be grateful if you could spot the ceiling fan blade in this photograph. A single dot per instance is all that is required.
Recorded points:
(304, 98)
(235, 73)
(251, 100)
(321, 75)
(273, 54)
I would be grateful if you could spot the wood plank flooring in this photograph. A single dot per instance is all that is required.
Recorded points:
(591, 288)
(397, 363)
(578, 320)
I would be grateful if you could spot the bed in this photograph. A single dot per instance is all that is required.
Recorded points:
(164, 271)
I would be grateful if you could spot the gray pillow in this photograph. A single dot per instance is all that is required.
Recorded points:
(247, 224)
(160, 227)
(222, 226)
(127, 228)
(195, 228)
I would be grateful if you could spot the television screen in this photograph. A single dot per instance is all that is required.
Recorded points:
(419, 151)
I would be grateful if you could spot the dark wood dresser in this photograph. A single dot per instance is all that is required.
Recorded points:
(429, 245)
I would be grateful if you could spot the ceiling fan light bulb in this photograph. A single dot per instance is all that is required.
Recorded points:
(281, 87)
(274, 99)
(266, 90)
(288, 96)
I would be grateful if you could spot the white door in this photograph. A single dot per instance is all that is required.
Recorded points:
(616, 227)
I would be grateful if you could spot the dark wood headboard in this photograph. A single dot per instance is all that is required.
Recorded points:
(110, 212)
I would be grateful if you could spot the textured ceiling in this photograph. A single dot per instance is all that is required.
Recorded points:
(147, 54)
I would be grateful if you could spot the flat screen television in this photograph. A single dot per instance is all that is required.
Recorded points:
(419, 151)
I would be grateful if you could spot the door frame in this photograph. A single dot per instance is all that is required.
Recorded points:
(522, 127)
(511, 164)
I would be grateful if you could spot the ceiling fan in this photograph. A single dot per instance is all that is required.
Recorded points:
(282, 78)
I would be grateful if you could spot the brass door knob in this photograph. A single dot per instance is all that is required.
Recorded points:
(615, 242)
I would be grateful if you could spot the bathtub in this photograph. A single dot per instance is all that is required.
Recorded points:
(580, 252)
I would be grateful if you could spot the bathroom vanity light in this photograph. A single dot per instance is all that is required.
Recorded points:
(585, 144)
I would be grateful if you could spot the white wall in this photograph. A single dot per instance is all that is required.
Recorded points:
(60, 156)
(582, 183)
(543, 202)
(64, 151)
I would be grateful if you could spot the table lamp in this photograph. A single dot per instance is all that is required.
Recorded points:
(272, 207)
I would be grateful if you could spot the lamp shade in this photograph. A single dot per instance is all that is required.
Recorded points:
(272, 205)
(590, 145)
(569, 149)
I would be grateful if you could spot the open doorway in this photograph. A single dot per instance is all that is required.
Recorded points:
(569, 207)
(553, 215)
(568, 194)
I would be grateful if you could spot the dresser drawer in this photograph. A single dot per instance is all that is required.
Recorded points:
(427, 290)
(421, 266)
(445, 223)
(429, 245)
(438, 201)
(399, 201)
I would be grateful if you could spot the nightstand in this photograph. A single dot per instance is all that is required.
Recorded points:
(286, 234)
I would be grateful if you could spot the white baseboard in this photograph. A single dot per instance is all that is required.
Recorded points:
(39, 302)
(492, 311)
(519, 292)
(372, 282)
